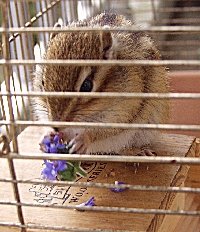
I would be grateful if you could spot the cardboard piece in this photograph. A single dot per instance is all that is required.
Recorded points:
(101, 172)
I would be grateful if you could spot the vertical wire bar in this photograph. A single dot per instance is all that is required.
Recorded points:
(154, 10)
(6, 56)
(74, 9)
(54, 14)
(120, 6)
(29, 50)
(20, 21)
(71, 11)
(15, 50)
(96, 7)
(101, 5)
(23, 47)
(87, 8)
(40, 36)
(17, 68)
(42, 20)
(64, 12)
(30, 43)
(2, 105)
(107, 4)
(45, 21)
(48, 18)
(4, 118)
(5, 149)
(20, 74)
(47, 15)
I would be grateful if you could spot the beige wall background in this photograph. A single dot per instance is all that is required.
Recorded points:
(185, 111)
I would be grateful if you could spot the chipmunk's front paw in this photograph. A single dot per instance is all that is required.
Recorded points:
(79, 144)
(144, 151)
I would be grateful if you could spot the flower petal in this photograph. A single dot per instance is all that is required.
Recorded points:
(56, 139)
(48, 174)
(61, 146)
(49, 164)
(90, 202)
(53, 148)
(118, 189)
(46, 140)
(61, 165)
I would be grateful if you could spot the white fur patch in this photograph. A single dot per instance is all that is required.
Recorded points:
(137, 138)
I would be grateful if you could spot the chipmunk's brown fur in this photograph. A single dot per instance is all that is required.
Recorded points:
(139, 79)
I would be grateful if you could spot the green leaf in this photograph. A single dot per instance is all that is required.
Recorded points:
(74, 163)
(69, 174)
(79, 170)
(73, 169)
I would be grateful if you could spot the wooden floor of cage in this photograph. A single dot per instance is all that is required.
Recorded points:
(156, 175)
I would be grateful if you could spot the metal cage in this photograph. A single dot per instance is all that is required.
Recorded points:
(25, 29)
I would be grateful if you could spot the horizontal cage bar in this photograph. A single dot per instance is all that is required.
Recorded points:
(109, 186)
(150, 29)
(103, 125)
(101, 62)
(55, 228)
(105, 158)
(108, 209)
(105, 95)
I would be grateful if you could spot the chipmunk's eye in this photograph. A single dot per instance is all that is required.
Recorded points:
(87, 85)
(43, 83)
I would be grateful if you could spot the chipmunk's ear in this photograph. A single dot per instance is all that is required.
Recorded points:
(107, 44)
(57, 25)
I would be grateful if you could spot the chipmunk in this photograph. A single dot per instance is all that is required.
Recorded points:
(103, 45)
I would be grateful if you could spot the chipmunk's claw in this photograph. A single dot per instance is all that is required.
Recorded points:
(78, 144)
(146, 152)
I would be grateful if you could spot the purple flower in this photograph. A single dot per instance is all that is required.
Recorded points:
(61, 146)
(59, 169)
(118, 189)
(52, 168)
(90, 202)
(51, 143)
(52, 148)
(56, 139)
(46, 140)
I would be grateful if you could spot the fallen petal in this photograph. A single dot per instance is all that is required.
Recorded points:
(90, 202)
(118, 189)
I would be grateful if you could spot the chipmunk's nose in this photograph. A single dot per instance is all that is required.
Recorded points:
(56, 129)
